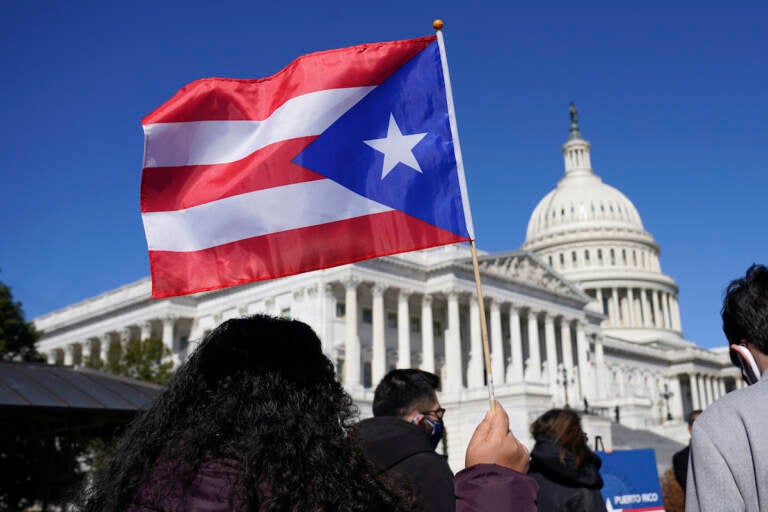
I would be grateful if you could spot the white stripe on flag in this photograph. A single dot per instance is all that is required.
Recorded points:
(255, 214)
(218, 142)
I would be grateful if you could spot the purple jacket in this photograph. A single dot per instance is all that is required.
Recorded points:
(491, 488)
(209, 491)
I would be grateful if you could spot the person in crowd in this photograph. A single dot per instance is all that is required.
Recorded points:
(566, 470)
(728, 468)
(680, 459)
(401, 438)
(254, 420)
(494, 479)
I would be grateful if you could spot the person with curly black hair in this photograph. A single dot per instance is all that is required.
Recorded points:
(254, 420)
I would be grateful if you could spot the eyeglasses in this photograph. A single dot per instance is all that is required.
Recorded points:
(438, 413)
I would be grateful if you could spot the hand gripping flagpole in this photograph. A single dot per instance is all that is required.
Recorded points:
(438, 26)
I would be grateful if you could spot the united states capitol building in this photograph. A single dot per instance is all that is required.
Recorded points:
(581, 315)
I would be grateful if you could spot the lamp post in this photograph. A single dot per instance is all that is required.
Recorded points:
(666, 395)
(564, 381)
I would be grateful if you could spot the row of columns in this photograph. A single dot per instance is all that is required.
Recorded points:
(639, 307)
(538, 367)
(602, 257)
(705, 389)
(98, 347)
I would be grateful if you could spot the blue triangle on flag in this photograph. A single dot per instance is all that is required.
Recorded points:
(415, 97)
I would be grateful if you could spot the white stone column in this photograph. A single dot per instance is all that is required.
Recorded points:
(51, 357)
(427, 335)
(104, 342)
(600, 368)
(582, 347)
(550, 344)
(403, 330)
(352, 340)
(676, 315)
(168, 324)
(703, 396)
(146, 330)
(659, 322)
(515, 345)
(565, 342)
(69, 354)
(497, 344)
(695, 400)
(533, 372)
(721, 385)
(329, 316)
(711, 388)
(703, 392)
(453, 380)
(599, 298)
(667, 311)
(631, 306)
(646, 306)
(85, 351)
(616, 317)
(475, 365)
(379, 348)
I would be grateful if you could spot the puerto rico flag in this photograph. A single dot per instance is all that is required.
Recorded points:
(342, 156)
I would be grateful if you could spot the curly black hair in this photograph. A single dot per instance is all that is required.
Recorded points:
(259, 396)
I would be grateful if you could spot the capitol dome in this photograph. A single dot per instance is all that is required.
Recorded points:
(592, 234)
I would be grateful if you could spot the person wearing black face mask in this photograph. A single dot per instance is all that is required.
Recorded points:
(402, 436)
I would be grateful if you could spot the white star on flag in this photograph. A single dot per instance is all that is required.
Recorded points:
(397, 148)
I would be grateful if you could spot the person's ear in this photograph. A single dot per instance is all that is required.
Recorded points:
(416, 419)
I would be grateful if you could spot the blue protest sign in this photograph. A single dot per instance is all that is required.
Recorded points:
(631, 481)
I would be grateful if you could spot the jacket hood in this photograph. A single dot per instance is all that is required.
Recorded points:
(388, 440)
(545, 459)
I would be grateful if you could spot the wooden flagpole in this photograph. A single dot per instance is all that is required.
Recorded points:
(438, 26)
(483, 328)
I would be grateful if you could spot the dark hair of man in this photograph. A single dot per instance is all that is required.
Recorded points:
(745, 309)
(402, 391)
(693, 415)
(259, 395)
(563, 427)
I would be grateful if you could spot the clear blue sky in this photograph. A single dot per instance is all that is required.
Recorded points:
(673, 100)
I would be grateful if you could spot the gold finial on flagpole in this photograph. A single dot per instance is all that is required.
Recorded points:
(437, 24)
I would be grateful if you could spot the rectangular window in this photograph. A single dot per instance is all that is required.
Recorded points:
(367, 316)
(415, 325)
(437, 328)
(392, 320)
(341, 310)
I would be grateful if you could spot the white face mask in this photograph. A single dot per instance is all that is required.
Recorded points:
(743, 358)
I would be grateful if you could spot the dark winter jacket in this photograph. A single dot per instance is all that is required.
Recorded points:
(492, 488)
(403, 451)
(212, 489)
(209, 491)
(562, 486)
(680, 465)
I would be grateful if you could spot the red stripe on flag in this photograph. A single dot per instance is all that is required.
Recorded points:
(292, 252)
(174, 188)
(221, 99)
